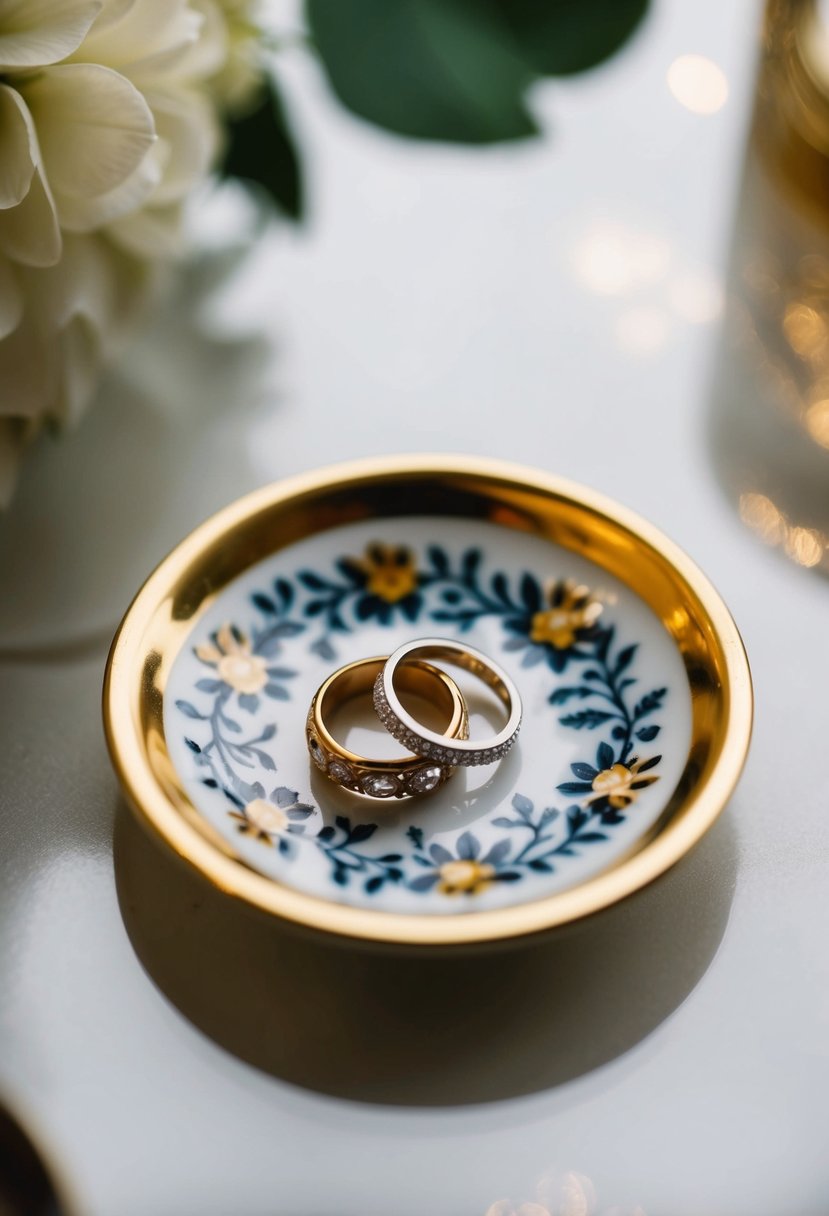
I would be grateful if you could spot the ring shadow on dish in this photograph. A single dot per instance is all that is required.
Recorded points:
(371, 1025)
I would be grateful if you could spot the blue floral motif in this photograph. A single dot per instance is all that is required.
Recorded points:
(468, 871)
(556, 624)
(383, 585)
(339, 844)
(272, 820)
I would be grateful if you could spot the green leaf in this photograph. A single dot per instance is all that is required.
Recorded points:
(561, 37)
(261, 149)
(431, 69)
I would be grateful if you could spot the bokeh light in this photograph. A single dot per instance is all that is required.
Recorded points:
(698, 84)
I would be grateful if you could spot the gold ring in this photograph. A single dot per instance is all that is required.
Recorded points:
(400, 777)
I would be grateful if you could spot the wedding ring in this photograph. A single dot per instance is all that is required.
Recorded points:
(428, 743)
(395, 778)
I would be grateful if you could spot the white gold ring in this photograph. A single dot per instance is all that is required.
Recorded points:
(428, 743)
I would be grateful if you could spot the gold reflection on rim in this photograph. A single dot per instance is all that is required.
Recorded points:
(187, 582)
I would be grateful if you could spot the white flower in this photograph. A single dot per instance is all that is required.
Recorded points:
(108, 119)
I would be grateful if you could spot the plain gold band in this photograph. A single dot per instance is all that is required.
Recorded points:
(399, 777)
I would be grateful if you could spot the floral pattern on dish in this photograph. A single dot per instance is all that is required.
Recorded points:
(558, 625)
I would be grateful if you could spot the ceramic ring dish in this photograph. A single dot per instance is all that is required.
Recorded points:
(636, 691)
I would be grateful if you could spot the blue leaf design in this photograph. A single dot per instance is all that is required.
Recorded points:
(209, 685)
(324, 649)
(604, 756)
(586, 719)
(287, 629)
(530, 593)
(285, 591)
(576, 817)
(524, 806)
(470, 562)
(624, 659)
(439, 560)
(468, 846)
(424, 882)
(500, 588)
(267, 645)
(586, 771)
(263, 603)
(649, 703)
(192, 744)
(646, 733)
(410, 607)
(498, 852)
(439, 854)
(574, 787)
(312, 581)
(362, 832)
(189, 710)
(565, 694)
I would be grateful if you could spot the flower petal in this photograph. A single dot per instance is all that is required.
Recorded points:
(147, 36)
(89, 214)
(11, 299)
(18, 147)
(208, 653)
(226, 640)
(28, 374)
(34, 33)
(152, 232)
(94, 280)
(94, 127)
(29, 232)
(210, 51)
(185, 122)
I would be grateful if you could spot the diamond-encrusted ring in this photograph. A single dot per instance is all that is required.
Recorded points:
(428, 743)
(401, 777)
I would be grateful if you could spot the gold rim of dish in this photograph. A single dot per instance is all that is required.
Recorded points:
(188, 581)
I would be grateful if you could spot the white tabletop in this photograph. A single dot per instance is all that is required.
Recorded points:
(530, 302)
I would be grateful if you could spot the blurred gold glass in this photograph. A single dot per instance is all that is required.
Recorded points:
(770, 417)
